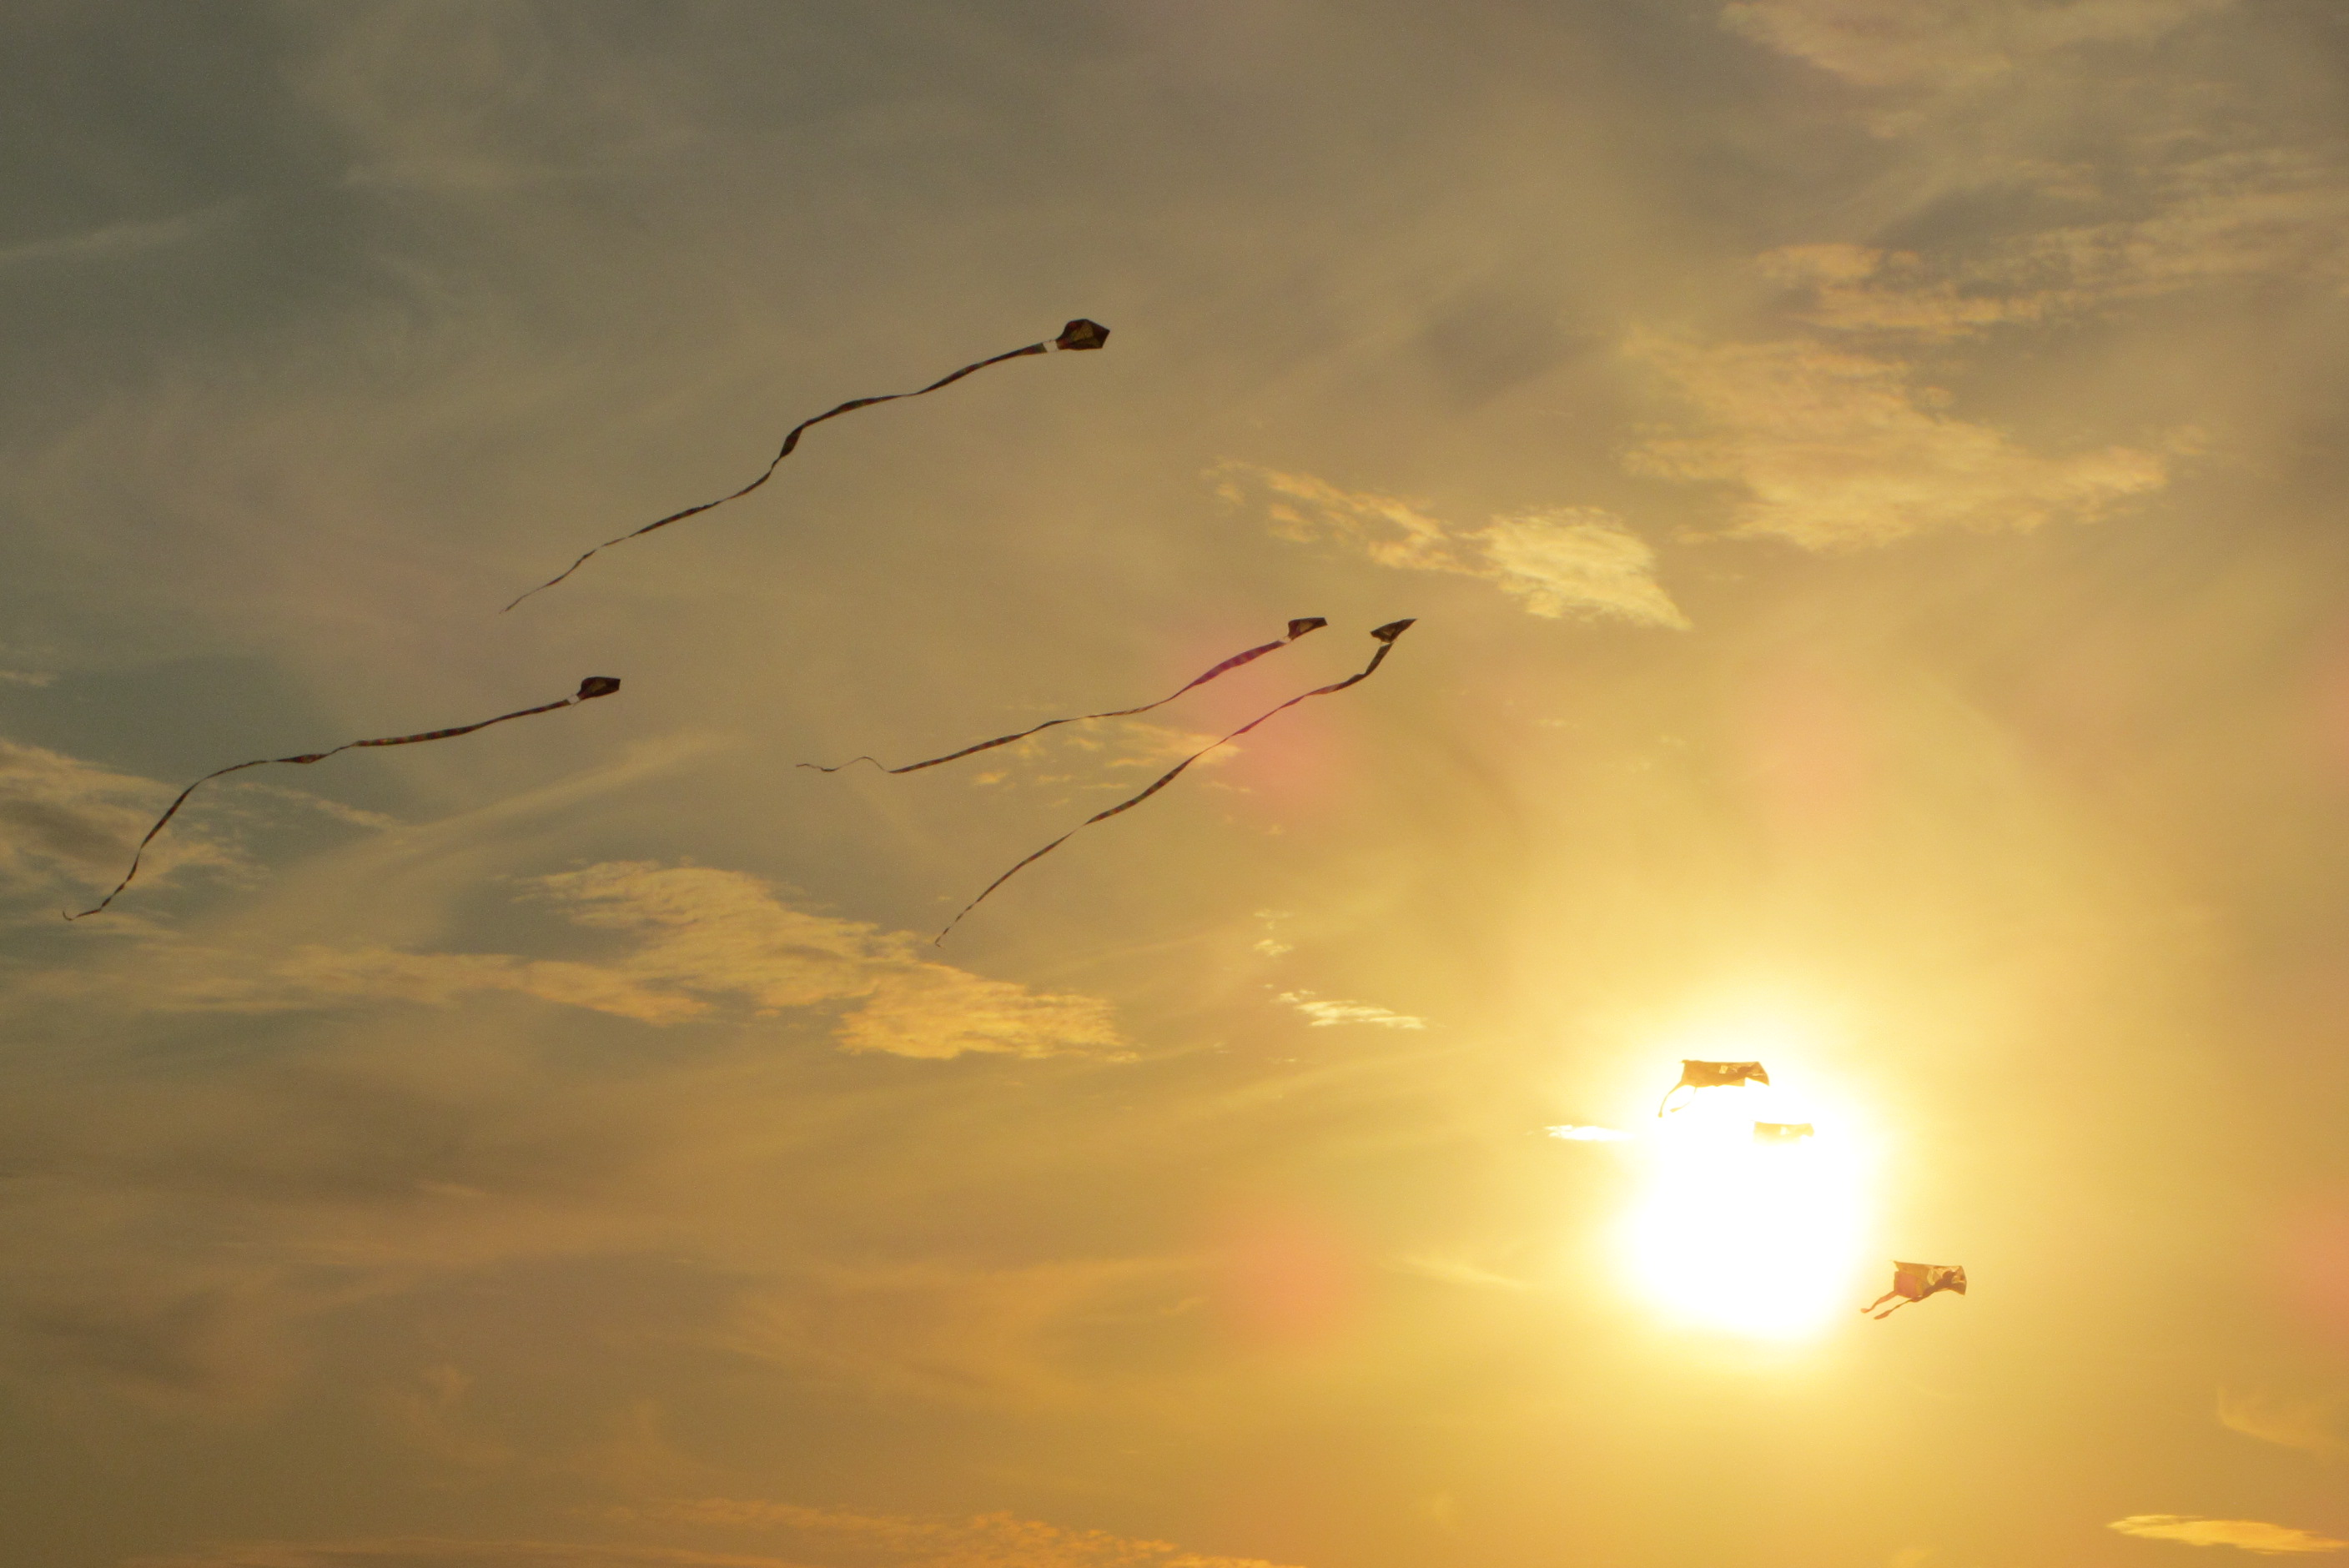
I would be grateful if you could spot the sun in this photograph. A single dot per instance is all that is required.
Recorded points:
(1755, 1239)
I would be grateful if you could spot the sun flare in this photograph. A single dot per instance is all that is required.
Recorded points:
(1760, 1238)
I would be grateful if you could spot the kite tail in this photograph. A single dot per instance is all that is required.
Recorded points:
(168, 812)
(1887, 1311)
(1297, 629)
(1077, 334)
(589, 689)
(940, 939)
(1386, 636)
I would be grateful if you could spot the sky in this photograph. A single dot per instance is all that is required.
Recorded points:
(1865, 478)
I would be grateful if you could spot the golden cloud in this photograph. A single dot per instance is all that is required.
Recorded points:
(1555, 560)
(988, 1541)
(1328, 1012)
(699, 939)
(1839, 449)
(2248, 1534)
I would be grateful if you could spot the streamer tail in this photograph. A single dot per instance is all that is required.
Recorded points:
(589, 689)
(1079, 334)
(1386, 636)
(1296, 628)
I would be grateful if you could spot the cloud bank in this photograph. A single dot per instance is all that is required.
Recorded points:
(698, 942)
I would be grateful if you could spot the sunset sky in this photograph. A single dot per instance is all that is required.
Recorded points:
(1869, 476)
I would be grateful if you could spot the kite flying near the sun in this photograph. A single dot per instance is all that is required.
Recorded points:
(1696, 1075)
(1385, 636)
(589, 689)
(1915, 1282)
(1297, 629)
(1077, 334)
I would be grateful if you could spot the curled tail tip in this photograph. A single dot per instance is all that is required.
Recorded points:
(541, 588)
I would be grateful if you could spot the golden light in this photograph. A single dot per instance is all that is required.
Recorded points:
(1760, 1238)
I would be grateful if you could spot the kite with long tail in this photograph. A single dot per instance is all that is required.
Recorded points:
(1077, 334)
(1386, 636)
(589, 689)
(1915, 1282)
(1297, 629)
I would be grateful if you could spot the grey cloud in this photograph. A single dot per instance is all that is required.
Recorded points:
(1002, 1336)
(426, 1551)
(182, 1344)
(985, 1541)
(65, 821)
(2277, 215)
(476, 104)
(111, 239)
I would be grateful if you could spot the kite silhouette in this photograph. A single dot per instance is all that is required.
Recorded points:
(1697, 1075)
(1386, 636)
(1915, 1282)
(589, 689)
(1079, 334)
(1296, 629)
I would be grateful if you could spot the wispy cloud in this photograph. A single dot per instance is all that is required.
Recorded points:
(2248, 1535)
(110, 240)
(432, 1552)
(2312, 1423)
(1329, 1013)
(66, 821)
(1457, 1271)
(1946, 44)
(1556, 561)
(25, 677)
(698, 938)
(1835, 449)
(987, 1540)
(2232, 218)
(1575, 1134)
(1271, 945)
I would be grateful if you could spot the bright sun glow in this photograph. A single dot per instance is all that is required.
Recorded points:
(1754, 1239)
